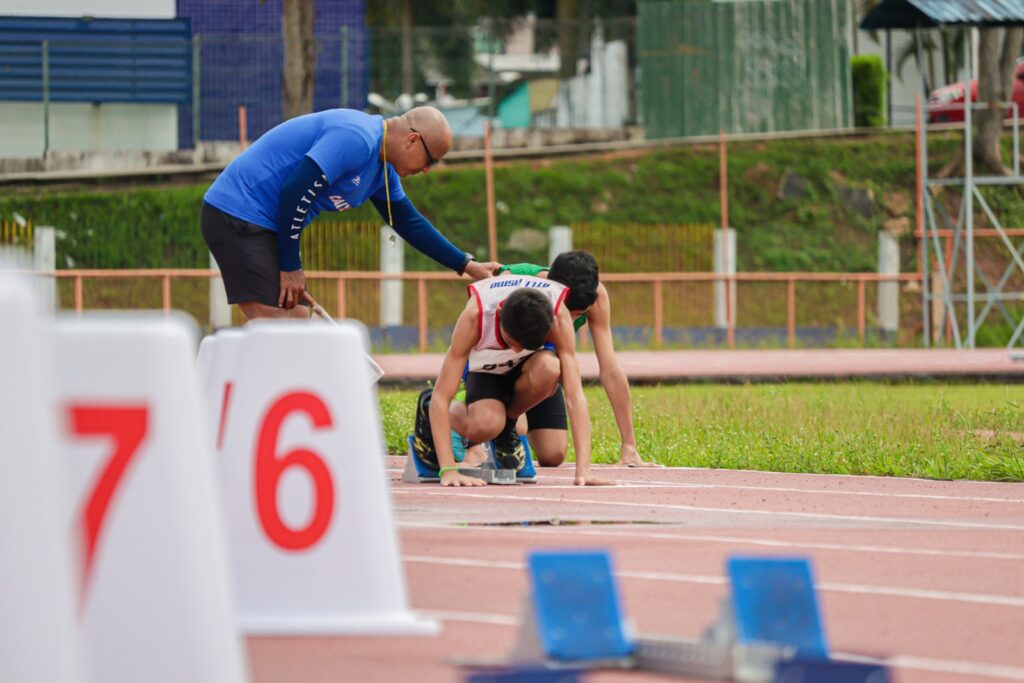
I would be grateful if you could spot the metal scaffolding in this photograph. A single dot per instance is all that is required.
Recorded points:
(951, 276)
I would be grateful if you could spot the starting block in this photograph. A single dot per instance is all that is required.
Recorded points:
(525, 675)
(416, 472)
(827, 671)
(770, 628)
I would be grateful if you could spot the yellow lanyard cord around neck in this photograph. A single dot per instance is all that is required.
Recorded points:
(387, 190)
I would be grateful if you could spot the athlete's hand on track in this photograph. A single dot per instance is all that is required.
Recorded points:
(630, 458)
(590, 479)
(479, 271)
(452, 478)
(293, 284)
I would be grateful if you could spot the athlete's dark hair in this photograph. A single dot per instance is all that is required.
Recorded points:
(527, 315)
(577, 270)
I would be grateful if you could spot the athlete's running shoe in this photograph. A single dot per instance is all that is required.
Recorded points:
(508, 449)
(423, 441)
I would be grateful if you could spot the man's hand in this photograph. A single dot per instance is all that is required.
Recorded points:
(479, 271)
(293, 284)
(454, 478)
(630, 458)
(589, 479)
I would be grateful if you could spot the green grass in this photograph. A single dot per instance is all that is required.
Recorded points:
(935, 431)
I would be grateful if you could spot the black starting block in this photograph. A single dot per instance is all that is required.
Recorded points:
(417, 472)
(770, 628)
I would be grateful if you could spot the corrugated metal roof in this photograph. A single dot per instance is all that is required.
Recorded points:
(932, 13)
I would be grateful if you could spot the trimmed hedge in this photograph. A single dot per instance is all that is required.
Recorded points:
(869, 82)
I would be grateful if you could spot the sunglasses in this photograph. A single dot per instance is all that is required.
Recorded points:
(430, 157)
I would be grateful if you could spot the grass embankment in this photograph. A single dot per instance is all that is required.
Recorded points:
(937, 431)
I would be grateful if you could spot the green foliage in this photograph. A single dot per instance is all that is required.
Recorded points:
(158, 227)
(868, 74)
(935, 431)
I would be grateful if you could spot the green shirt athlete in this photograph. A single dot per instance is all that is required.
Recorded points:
(535, 271)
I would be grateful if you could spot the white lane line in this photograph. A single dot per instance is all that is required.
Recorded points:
(643, 483)
(905, 662)
(733, 511)
(731, 540)
(705, 579)
(1012, 673)
(471, 617)
(783, 489)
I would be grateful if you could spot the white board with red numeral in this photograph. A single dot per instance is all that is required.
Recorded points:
(302, 469)
(39, 637)
(155, 595)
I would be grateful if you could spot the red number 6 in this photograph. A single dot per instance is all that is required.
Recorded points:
(270, 467)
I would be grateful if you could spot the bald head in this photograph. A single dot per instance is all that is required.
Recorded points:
(434, 128)
(417, 140)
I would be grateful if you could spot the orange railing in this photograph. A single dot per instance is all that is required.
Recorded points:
(656, 281)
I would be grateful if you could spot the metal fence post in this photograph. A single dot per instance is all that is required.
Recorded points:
(344, 67)
(196, 91)
(46, 97)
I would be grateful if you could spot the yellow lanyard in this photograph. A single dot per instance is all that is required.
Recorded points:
(387, 190)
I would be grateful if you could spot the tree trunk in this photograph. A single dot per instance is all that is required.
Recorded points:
(408, 52)
(299, 57)
(998, 50)
(567, 37)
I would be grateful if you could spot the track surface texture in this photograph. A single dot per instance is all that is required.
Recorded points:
(927, 576)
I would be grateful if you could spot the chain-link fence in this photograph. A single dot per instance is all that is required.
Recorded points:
(674, 69)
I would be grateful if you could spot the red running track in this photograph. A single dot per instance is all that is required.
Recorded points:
(925, 575)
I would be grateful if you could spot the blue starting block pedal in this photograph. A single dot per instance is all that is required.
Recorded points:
(527, 475)
(826, 671)
(572, 617)
(774, 601)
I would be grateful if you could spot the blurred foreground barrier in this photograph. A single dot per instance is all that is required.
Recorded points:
(39, 640)
(302, 471)
(156, 601)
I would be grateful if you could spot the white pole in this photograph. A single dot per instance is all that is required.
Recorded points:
(719, 288)
(392, 260)
(889, 291)
(559, 241)
(44, 258)
(220, 309)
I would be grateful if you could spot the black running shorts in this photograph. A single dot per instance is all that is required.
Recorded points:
(246, 254)
(548, 414)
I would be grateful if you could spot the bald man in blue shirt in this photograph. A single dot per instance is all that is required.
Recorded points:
(255, 212)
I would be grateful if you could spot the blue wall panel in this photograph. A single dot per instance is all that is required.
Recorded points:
(241, 63)
(96, 60)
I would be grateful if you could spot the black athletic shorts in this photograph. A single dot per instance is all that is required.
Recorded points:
(548, 414)
(246, 254)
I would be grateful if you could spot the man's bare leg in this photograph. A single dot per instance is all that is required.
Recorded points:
(254, 310)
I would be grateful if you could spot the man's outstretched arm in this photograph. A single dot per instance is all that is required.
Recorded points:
(421, 234)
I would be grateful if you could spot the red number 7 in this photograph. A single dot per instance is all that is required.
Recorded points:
(127, 424)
